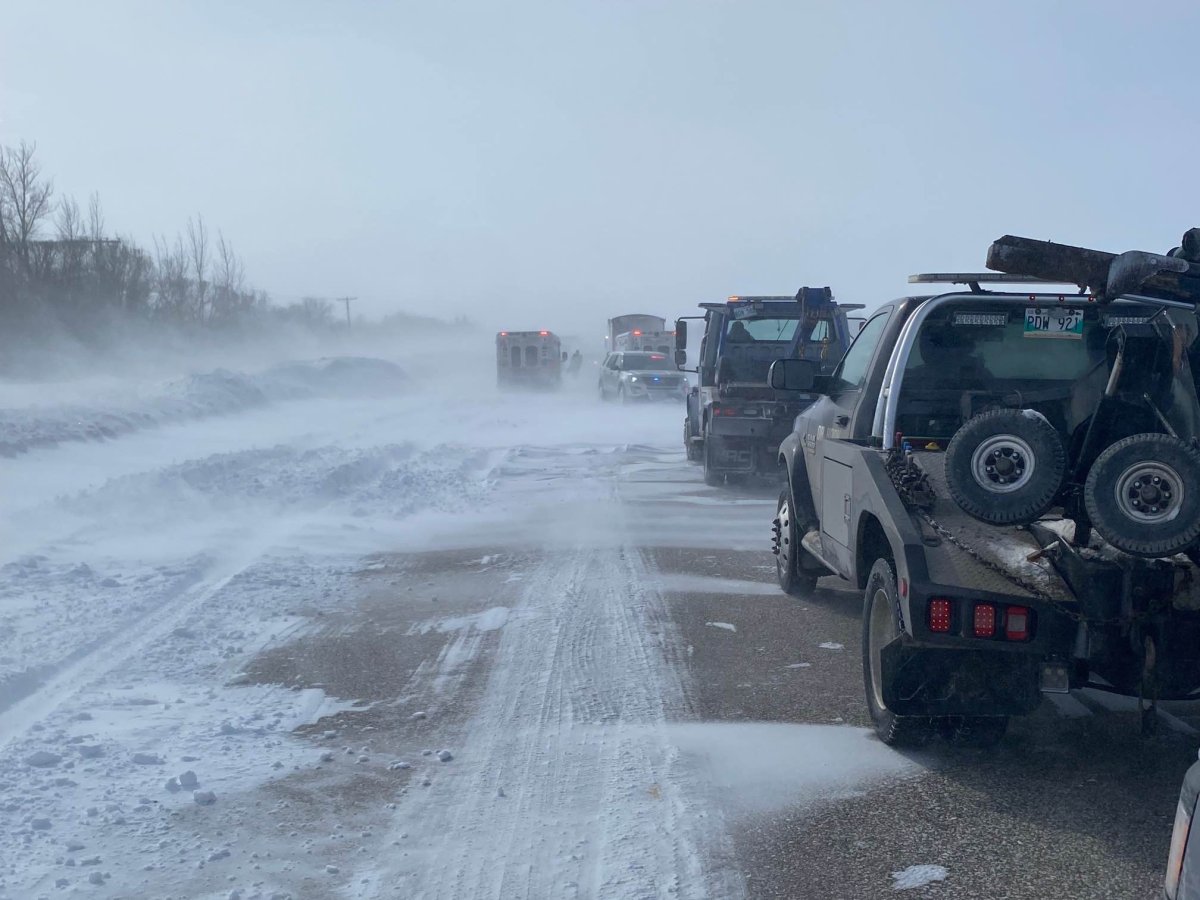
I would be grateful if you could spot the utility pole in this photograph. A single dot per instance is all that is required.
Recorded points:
(347, 300)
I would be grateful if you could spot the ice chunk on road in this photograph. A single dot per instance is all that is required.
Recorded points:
(204, 798)
(724, 625)
(43, 759)
(918, 876)
(831, 645)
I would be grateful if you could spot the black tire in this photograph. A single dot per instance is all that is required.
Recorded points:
(690, 447)
(974, 731)
(1143, 495)
(794, 580)
(713, 476)
(880, 626)
(1005, 466)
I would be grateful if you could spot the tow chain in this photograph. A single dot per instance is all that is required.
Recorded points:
(915, 491)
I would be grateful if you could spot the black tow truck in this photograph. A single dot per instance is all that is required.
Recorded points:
(734, 420)
(1012, 479)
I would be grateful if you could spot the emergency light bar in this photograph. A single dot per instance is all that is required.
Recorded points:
(977, 278)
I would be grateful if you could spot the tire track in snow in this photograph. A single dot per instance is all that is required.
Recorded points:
(565, 783)
(124, 643)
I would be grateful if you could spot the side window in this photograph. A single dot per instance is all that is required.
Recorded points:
(852, 370)
(515, 354)
(820, 331)
(614, 361)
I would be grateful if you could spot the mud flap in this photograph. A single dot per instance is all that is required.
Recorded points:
(925, 681)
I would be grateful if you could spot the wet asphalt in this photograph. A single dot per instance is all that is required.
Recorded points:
(1075, 805)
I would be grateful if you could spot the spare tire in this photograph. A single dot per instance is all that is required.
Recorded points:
(1143, 495)
(1005, 466)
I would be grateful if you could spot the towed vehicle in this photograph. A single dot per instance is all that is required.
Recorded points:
(630, 377)
(1012, 479)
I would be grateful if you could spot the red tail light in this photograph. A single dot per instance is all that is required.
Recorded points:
(985, 620)
(725, 410)
(1016, 623)
(939, 615)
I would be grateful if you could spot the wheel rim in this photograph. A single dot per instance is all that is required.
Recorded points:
(882, 632)
(1150, 492)
(1003, 463)
(783, 562)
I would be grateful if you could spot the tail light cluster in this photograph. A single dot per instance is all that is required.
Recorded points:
(980, 619)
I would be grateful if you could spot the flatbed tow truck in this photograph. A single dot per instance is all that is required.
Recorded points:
(1012, 479)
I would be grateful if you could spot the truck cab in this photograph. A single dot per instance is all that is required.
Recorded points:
(735, 420)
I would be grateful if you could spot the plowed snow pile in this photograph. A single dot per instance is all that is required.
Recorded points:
(193, 397)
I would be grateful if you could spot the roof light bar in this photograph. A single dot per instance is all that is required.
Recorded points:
(977, 278)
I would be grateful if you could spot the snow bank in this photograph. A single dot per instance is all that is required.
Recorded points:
(23, 428)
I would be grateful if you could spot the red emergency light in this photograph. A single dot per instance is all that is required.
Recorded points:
(636, 332)
(543, 333)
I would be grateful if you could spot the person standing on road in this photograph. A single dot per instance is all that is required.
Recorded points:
(575, 364)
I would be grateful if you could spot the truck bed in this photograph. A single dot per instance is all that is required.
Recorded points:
(1005, 547)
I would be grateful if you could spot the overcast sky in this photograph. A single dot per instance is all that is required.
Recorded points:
(548, 164)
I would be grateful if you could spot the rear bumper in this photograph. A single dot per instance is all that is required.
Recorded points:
(925, 681)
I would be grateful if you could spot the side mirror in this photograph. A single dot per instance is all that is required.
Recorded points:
(792, 375)
(680, 358)
(680, 334)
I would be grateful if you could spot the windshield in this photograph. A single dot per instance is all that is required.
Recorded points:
(1055, 359)
(647, 362)
(772, 329)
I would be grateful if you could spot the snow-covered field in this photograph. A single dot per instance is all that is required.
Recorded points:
(145, 564)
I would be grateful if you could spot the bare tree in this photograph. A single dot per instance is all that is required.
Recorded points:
(229, 297)
(68, 221)
(197, 253)
(170, 278)
(24, 196)
(95, 217)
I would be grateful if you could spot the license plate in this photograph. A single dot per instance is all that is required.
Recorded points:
(1054, 323)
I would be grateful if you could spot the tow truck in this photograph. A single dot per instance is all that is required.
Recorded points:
(734, 420)
(1012, 479)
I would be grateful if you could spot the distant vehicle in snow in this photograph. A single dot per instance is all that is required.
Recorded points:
(640, 376)
(641, 323)
(648, 341)
(735, 420)
(529, 359)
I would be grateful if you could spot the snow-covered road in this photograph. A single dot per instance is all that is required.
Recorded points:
(434, 642)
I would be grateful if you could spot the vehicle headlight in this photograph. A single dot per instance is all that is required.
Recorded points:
(633, 378)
